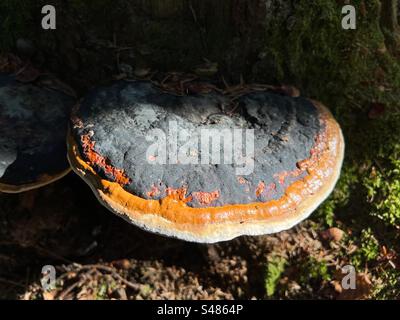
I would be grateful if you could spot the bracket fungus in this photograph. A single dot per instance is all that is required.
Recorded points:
(33, 125)
(205, 167)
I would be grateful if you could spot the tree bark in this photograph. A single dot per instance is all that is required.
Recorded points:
(273, 41)
(390, 24)
(390, 14)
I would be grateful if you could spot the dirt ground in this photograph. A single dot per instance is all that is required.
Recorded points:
(99, 256)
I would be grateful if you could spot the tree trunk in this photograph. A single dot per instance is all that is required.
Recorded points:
(272, 41)
(390, 24)
(390, 15)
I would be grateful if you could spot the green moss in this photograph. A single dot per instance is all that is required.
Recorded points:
(368, 249)
(101, 291)
(340, 197)
(314, 270)
(369, 245)
(275, 268)
(312, 51)
(388, 288)
(105, 288)
(383, 187)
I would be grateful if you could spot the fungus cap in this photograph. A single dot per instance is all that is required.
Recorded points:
(33, 125)
(114, 145)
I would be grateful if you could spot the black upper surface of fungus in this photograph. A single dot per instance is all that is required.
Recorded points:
(33, 126)
(118, 118)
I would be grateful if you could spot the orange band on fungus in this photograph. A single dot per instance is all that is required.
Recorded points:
(96, 159)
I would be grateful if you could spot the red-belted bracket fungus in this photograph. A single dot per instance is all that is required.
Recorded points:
(205, 167)
(33, 124)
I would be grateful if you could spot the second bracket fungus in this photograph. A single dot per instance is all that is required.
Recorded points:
(33, 125)
(205, 167)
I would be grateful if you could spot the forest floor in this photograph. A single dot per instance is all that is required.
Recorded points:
(99, 256)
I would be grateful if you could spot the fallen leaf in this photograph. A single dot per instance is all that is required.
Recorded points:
(334, 234)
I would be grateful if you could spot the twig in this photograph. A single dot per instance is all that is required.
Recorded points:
(64, 293)
(113, 272)
(17, 284)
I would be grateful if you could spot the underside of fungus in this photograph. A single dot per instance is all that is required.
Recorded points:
(298, 153)
(33, 124)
